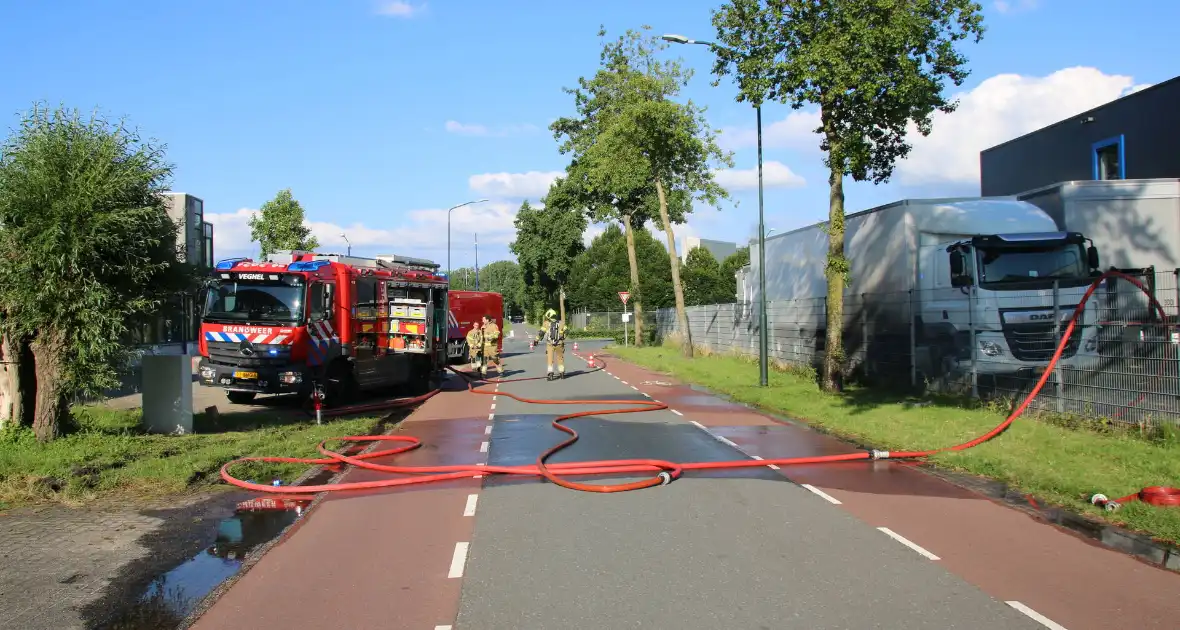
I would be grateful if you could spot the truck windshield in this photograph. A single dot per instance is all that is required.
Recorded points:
(1067, 262)
(255, 302)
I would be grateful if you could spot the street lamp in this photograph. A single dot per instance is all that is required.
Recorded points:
(449, 229)
(763, 336)
(347, 242)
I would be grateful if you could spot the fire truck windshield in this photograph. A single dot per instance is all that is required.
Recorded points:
(247, 301)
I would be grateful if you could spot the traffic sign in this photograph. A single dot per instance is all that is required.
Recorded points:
(623, 295)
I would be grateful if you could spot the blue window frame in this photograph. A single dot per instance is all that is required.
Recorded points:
(1109, 158)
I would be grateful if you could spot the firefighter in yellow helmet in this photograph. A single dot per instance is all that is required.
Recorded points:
(491, 348)
(552, 334)
(475, 346)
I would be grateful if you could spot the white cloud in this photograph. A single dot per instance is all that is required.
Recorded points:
(999, 109)
(532, 185)
(1015, 6)
(774, 175)
(400, 9)
(796, 131)
(474, 129)
(418, 232)
(465, 129)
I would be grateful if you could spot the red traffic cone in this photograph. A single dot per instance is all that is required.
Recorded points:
(575, 346)
(590, 363)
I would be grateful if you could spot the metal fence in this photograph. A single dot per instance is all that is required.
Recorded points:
(1121, 362)
(609, 320)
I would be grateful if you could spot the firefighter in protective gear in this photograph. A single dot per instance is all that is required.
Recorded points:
(491, 350)
(475, 346)
(553, 335)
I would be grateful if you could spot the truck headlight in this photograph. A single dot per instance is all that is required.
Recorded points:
(290, 378)
(991, 348)
(1091, 344)
(208, 373)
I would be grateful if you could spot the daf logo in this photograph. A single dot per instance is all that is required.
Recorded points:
(246, 348)
(1042, 317)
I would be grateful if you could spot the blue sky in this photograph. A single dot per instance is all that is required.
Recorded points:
(381, 114)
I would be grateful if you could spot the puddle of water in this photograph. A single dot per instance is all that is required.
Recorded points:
(172, 596)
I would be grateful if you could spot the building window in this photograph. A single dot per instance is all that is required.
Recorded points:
(207, 244)
(1109, 159)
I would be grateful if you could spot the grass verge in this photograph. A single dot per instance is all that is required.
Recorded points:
(1039, 455)
(107, 456)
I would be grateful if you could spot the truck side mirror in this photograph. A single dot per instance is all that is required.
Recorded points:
(959, 278)
(328, 300)
(1092, 256)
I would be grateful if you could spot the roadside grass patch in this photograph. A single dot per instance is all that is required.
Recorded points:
(107, 455)
(1061, 461)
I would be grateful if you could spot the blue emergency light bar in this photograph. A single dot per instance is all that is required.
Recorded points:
(229, 263)
(307, 265)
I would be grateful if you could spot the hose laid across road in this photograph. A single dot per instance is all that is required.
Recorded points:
(665, 471)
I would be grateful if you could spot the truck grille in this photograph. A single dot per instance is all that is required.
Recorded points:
(1035, 341)
(230, 353)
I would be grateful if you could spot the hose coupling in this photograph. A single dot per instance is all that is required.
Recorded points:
(879, 454)
(665, 477)
(1105, 503)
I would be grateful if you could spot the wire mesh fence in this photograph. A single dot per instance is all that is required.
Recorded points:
(1120, 363)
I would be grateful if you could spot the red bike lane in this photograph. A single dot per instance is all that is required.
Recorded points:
(1043, 570)
(379, 558)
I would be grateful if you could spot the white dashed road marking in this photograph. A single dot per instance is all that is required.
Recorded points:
(901, 539)
(827, 497)
(458, 560)
(469, 509)
(676, 412)
(1036, 616)
(483, 447)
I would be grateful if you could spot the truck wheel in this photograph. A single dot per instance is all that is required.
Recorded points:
(339, 384)
(240, 398)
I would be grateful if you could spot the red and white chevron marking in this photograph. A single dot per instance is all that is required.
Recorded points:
(322, 331)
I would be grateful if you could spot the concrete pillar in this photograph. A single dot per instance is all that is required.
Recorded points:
(168, 393)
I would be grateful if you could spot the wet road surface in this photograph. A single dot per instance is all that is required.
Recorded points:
(745, 549)
(871, 545)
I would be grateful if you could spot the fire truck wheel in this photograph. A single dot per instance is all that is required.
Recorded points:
(240, 398)
(339, 385)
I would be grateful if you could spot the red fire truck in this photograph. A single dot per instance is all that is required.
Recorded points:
(466, 308)
(345, 323)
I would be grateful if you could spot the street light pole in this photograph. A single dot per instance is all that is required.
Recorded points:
(477, 261)
(449, 229)
(763, 333)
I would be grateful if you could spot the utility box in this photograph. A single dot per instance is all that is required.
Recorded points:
(168, 393)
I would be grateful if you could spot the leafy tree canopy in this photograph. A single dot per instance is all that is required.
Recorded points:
(547, 241)
(729, 268)
(872, 67)
(600, 272)
(86, 249)
(703, 282)
(279, 226)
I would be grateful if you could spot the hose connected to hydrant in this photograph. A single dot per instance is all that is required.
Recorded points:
(664, 471)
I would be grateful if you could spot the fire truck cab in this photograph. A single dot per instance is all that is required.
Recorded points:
(345, 323)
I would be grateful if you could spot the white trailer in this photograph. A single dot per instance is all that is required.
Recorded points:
(951, 280)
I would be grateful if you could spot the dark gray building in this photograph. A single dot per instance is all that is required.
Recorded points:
(1134, 137)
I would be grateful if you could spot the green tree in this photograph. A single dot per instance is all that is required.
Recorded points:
(729, 268)
(874, 68)
(644, 141)
(703, 283)
(600, 272)
(504, 277)
(463, 279)
(279, 226)
(88, 250)
(547, 241)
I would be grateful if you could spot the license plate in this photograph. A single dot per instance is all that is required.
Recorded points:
(246, 376)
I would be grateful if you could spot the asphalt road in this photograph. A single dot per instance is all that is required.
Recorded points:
(745, 549)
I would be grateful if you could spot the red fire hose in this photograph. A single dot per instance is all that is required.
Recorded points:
(666, 471)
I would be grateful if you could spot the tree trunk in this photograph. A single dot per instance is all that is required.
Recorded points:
(636, 299)
(12, 405)
(835, 270)
(52, 405)
(677, 287)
